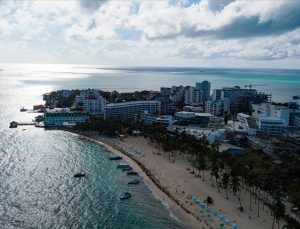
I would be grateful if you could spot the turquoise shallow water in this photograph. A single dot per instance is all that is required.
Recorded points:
(37, 188)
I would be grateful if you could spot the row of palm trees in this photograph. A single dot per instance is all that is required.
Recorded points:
(230, 173)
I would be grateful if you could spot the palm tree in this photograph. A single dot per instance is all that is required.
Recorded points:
(225, 182)
(278, 209)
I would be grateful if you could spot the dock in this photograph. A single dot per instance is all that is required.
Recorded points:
(15, 124)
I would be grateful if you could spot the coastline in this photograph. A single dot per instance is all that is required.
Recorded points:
(181, 213)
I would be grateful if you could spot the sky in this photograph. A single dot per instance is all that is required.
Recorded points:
(192, 33)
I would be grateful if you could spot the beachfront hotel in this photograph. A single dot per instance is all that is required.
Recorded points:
(58, 116)
(91, 101)
(129, 110)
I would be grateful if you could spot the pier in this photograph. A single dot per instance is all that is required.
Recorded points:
(15, 124)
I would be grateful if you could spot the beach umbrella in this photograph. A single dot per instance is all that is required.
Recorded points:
(234, 226)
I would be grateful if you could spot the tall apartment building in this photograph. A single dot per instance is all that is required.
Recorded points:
(240, 99)
(193, 96)
(217, 107)
(129, 110)
(204, 86)
(91, 101)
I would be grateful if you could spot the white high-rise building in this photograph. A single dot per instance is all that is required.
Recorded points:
(193, 96)
(91, 101)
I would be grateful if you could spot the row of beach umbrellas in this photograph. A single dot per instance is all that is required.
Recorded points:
(212, 212)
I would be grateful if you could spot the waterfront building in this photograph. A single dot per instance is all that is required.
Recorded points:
(91, 101)
(56, 117)
(193, 96)
(204, 86)
(130, 110)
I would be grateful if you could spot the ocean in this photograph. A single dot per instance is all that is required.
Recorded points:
(37, 187)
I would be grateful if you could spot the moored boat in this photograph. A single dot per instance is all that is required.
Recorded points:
(127, 169)
(125, 196)
(13, 124)
(134, 181)
(132, 173)
(115, 158)
(79, 175)
(121, 166)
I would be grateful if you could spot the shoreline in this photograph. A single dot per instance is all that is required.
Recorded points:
(182, 214)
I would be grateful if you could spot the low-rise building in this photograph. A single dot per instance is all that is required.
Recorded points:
(271, 110)
(184, 118)
(231, 149)
(152, 119)
(58, 116)
(212, 135)
(193, 109)
(271, 126)
(245, 125)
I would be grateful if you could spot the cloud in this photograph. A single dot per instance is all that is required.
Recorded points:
(151, 31)
(217, 19)
(89, 6)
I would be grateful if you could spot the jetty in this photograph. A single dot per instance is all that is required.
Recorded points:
(15, 124)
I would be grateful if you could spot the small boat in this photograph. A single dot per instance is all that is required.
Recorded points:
(23, 109)
(23, 129)
(13, 124)
(134, 181)
(132, 173)
(115, 158)
(127, 169)
(79, 174)
(121, 166)
(125, 196)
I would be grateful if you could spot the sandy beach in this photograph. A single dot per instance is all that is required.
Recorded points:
(173, 182)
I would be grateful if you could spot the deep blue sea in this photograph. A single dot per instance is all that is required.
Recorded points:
(37, 188)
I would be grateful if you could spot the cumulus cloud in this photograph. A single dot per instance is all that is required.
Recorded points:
(218, 19)
(166, 29)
